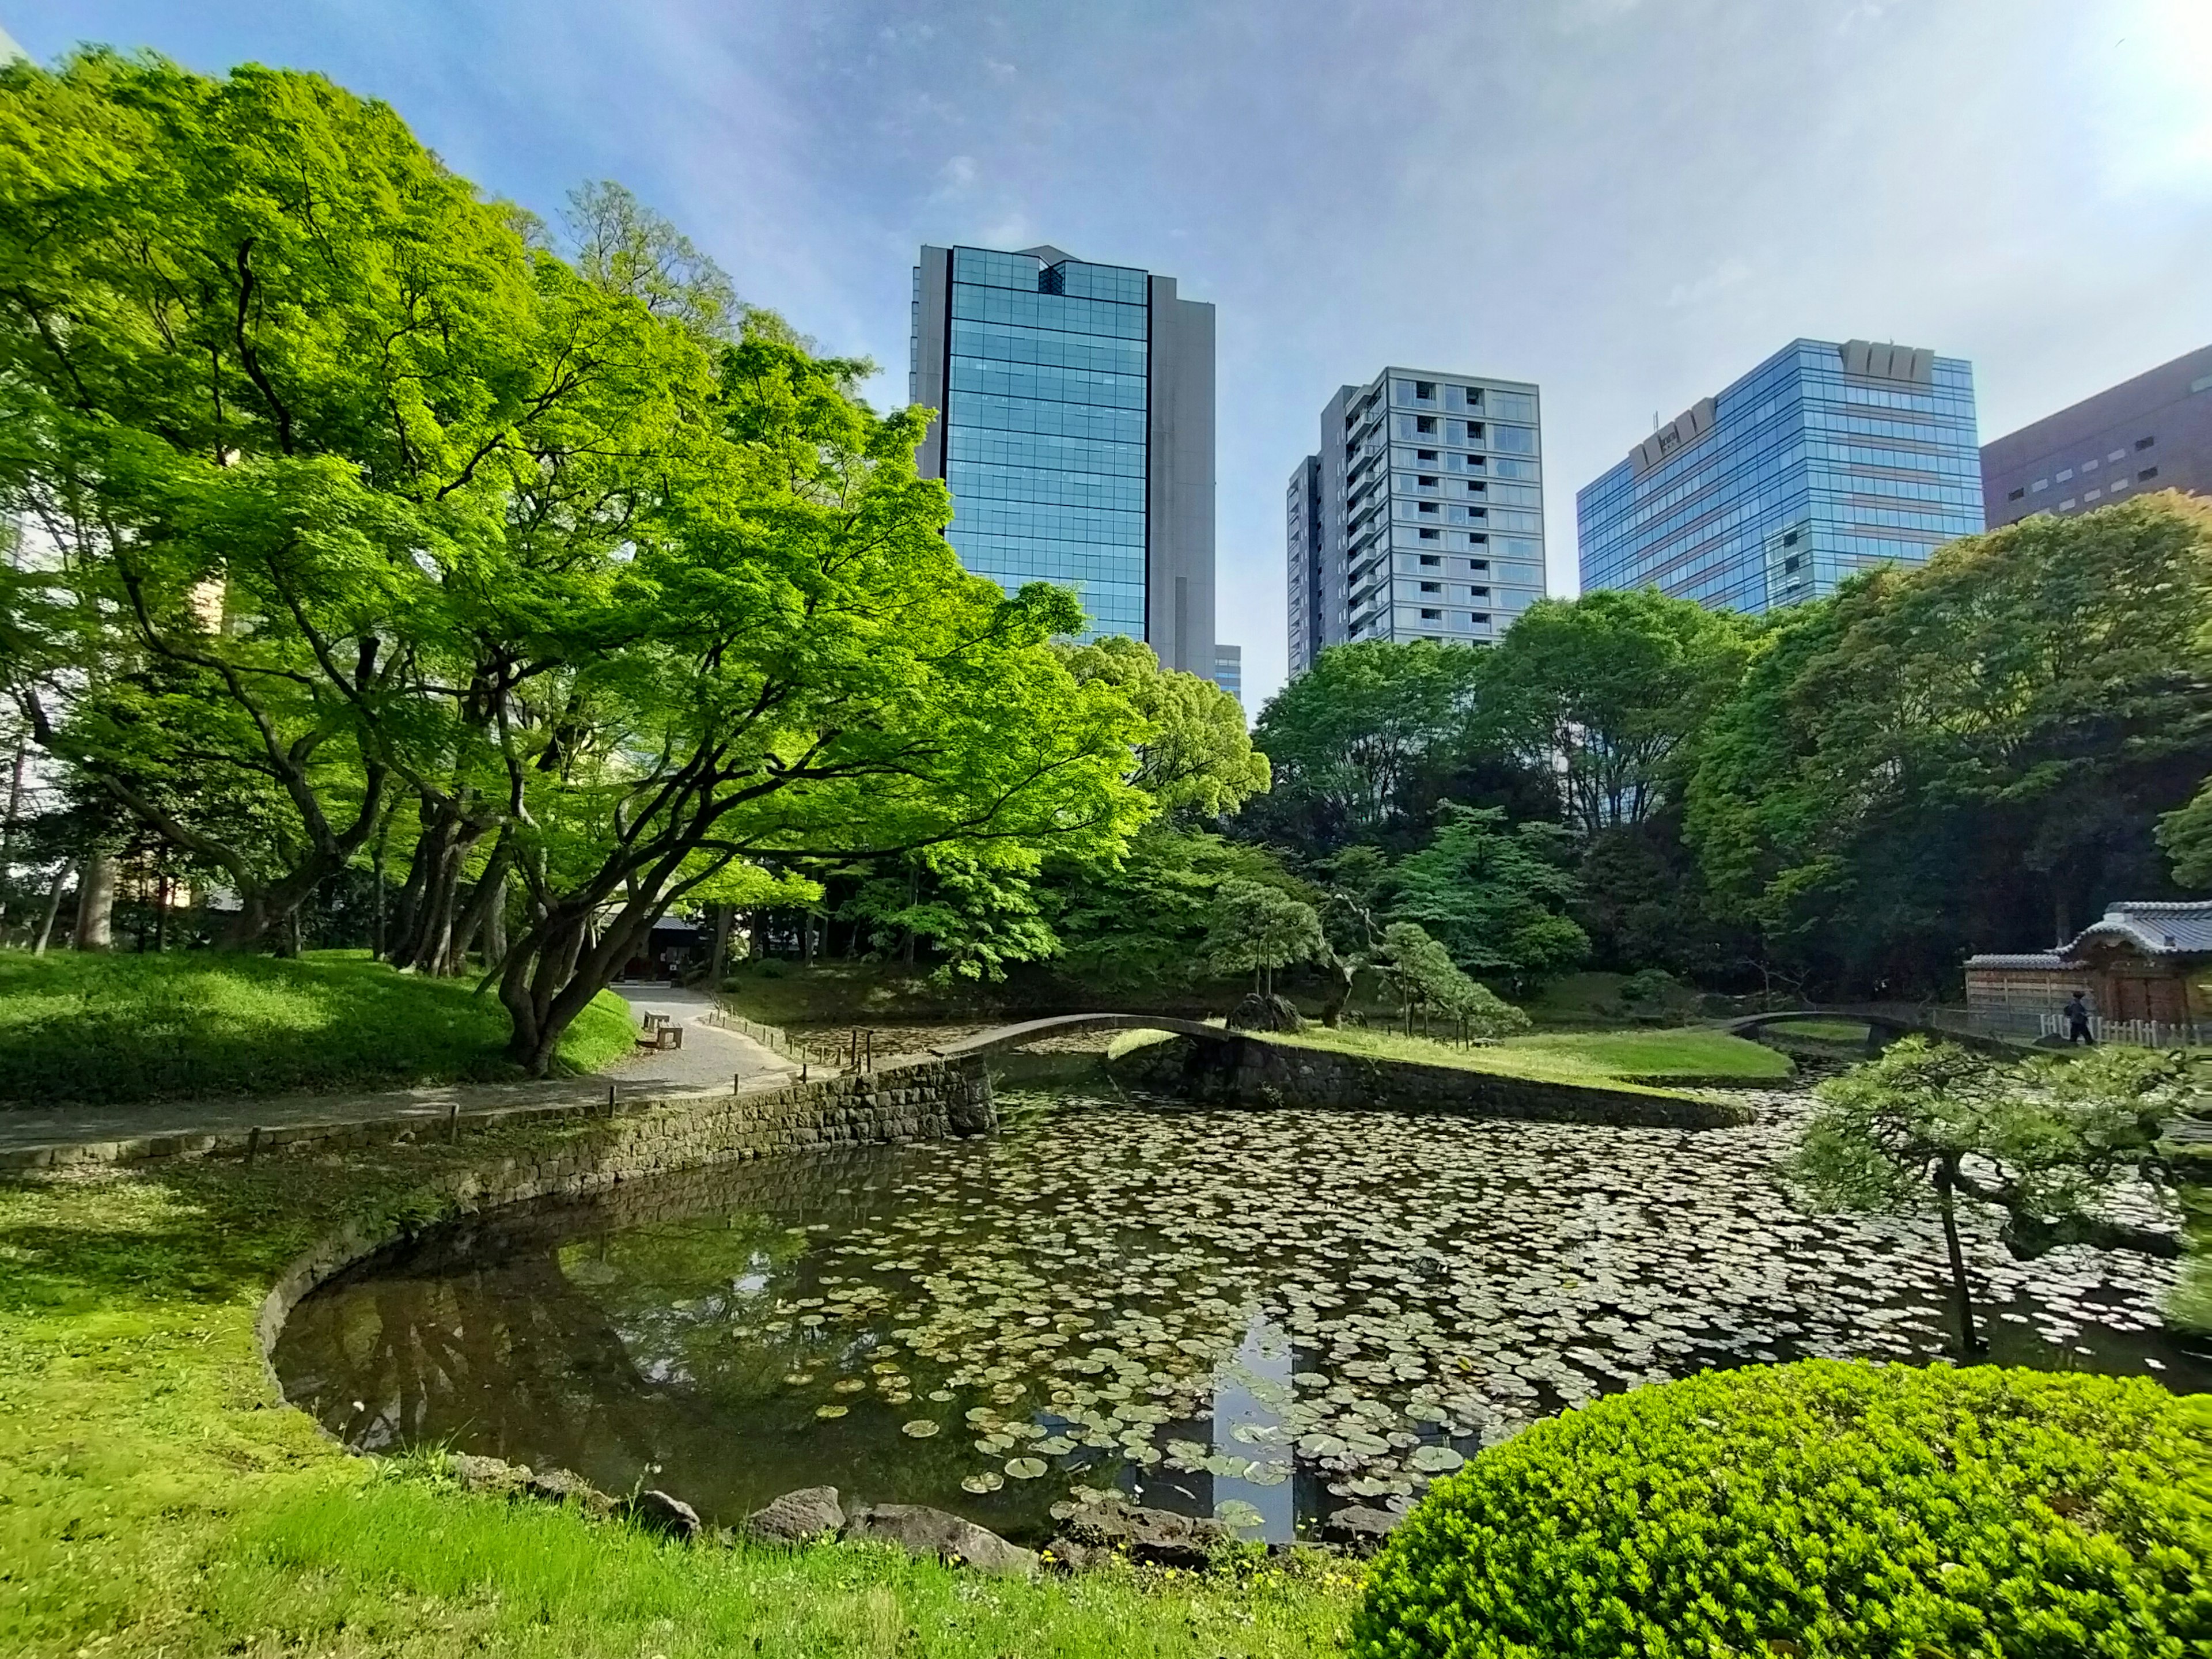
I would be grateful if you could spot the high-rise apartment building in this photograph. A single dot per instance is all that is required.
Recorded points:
(1075, 430)
(1421, 518)
(1228, 670)
(2154, 432)
(1824, 459)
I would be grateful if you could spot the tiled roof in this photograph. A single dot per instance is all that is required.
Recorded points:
(2049, 961)
(2156, 929)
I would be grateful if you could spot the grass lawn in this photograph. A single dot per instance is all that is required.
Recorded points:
(1606, 1057)
(156, 1498)
(105, 1028)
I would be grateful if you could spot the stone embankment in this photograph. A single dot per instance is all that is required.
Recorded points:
(1238, 1068)
(926, 1101)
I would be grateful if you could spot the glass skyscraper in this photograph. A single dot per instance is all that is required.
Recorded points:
(1824, 459)
(1422, 518)
(1075, 431)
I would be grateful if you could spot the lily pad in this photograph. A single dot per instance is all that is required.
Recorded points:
(1026, 1468)
(826, 1412)
(920, 1429)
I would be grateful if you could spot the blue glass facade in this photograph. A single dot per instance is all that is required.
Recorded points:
(1825, 459)
(1044, 422)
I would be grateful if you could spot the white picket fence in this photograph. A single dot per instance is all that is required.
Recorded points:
(2135, 1033)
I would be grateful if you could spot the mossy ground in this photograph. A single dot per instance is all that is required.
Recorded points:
(155, 1497)
(112, 1028)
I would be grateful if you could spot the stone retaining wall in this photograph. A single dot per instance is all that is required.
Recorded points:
(1241, 1069)
(926, 1101)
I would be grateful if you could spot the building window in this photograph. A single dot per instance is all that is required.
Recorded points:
(1426, 482)
(1424, 454)
(2145, 443)
(1478, 564)
(1476, 538)
(1478, 617)
(2116, 486)
(1791, 563)
(2065, 473)
(1478, 593)
(2040, 483)
(1474, 432)
(1476, 487)
(2066, 506)
(2015, 493)
(1425, 391)
(1432, 558)
(1429, 506)
(2118, 455)
(1432, 587)
(1433, 616)
(2147, 472)
(1425, 423)
(1432, 535)
(1790, 539)
(2092, 494)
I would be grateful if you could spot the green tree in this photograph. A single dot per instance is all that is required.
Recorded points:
(1427, 979)
(1257, 929)
(1196, 759)
(1137, 927)
(1928, 1124)
(1614, 689)
(1348, 736)
(1495, 894)
(1972, 755)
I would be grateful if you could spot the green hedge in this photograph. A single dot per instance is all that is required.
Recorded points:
(1821, 1508)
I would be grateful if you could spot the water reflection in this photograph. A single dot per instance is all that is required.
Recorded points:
(1260, 1314)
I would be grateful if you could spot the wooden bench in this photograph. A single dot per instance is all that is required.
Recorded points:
(660, 1033)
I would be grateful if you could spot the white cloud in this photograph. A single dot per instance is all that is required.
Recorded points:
(958, 174)
(1722, 278)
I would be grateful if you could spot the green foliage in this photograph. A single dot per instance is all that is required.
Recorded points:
(1347, 737)
(1944, 758)
(1826, 1508)
(979, 916)
(1257, 928)
(1138, 929)
(1615, 689)
(1494, 894)
(1426, 978)
(77, 1027)
(1197, 759)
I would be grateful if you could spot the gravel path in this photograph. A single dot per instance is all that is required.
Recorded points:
(710, 1058)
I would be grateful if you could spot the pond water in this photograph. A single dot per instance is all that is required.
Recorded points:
(1263, 1314)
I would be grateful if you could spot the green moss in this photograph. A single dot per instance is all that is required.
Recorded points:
(155, 1497)
(109, 1029)
(1824, 1508)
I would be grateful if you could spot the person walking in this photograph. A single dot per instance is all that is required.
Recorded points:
(2077, 1021)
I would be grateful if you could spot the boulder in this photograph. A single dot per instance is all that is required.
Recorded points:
(560, 1485)
(920, 1530)
(1161, 1537)
(1360, 1528)
(1265, 1014)
(798, 1515)
(486, 1474)
(656, 1511)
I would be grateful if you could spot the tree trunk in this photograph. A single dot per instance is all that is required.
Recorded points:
(53, 908)
(488, 893)
(1970, 1345)
(96, 904)
(717, 959)
(495, 929)
(8, 822)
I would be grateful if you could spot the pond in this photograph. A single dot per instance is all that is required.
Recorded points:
(1262, 1315)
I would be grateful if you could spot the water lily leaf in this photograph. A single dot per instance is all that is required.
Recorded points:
(1238, 1515)
(1435, 1460)
(826, 1412)
(920, 1429)
(988, 1480)
(1026, 1468)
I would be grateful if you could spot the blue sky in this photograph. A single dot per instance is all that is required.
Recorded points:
(1630, 202)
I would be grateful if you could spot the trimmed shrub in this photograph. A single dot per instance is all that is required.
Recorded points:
(1820, 1509)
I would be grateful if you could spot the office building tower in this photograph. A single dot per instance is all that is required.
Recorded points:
(1824, 459)
(1228, 670)
(1075, 430)
(2154, 432)
(1421, 518)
